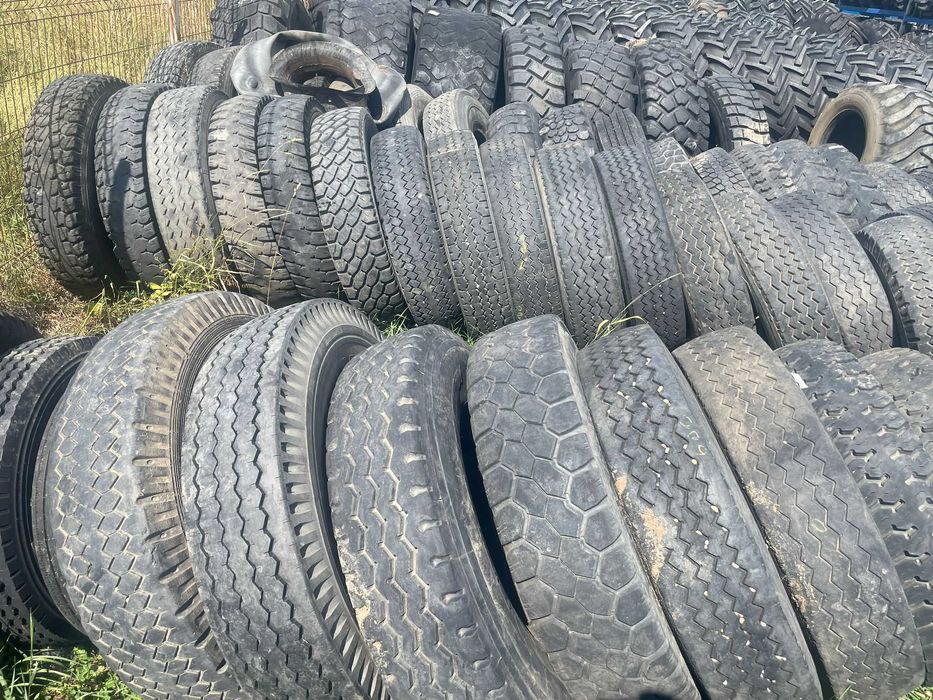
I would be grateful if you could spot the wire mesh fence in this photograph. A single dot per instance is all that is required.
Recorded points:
(41, 40)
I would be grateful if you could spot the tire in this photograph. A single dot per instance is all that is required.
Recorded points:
(380, 28)
(283, 632)
(59, 187)
(786, 290)
(458, 49)
(600, 74)
(855, 292)
(888, 123)
(253, 20)
(547, 485)
(474, 251)
(618, 130)
(249, 242)
(547, 13)
(899, 248)
(405, 201)
(714, 289)
(517, 119)
(120, 437)
(887, 459)
(869, 202)
(417, 100)
(172, 66)
(736, 113)
(398, 424)
(33, 378)
(720, 173)
(533, 67)
(456, 110)
(643, 410)
(179, 175)
(529, 264)
(671, 100)
(222, 22)
(925, 177)
(566, 125)
(764, 170)
(343, 187)
(123, 192)
(15, 331)
(650, 274)
(899, 188)
(589, 22)
(811, 512)
(876, 30)
(577, 222)
(288, 193)
(213, 70)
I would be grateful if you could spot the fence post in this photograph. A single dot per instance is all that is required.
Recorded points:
(174, 20)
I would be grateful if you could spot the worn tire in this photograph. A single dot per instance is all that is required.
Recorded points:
(516, 119)
(899, 188)
(618, 130)
(59, 187)
(398, 425)
(533, 67)
(736, 113)
(702, 547)
(834, 562)
(213, 70)
(764, 170)
(15, 331)
(253, 20)
(550, 493)
(457, 110)
(565, 125)
(600, 75)
(172, 66)
(719, 172)
(414, 105)
(122, 553)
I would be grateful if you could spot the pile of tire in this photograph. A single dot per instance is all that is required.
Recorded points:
(233, 501)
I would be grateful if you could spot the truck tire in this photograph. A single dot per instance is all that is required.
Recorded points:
(173, 65)
(533, 67)
(736, 114)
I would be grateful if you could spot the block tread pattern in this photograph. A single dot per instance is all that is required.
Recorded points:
(533, 67)
(737, 115)
(381, 28)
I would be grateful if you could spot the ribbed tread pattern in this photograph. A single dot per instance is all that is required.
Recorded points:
(213, 70)
(570, 124)
(515, 119)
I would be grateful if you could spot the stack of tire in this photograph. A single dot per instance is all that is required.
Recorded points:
(231, 501)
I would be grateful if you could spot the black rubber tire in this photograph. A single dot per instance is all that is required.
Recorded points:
(618, 130)
(855, 292)
(288, 192)
(471, 239)
(516, 119)
(120, 439)
(533, 67)
(583, 244)
(925, 177)
(548, 13)
(566, 125)
(222, 22)
(283, 632)
(172, 65)
(458, 49)
(409, 537)
(736, 113)
(786, 290)
(719, 172)
(671, 100)
(33, 378)
(123, 191)
(908, 376)
(876, 30)
(651, 281)
(178, 172)
(252, 20)
(890, 123)
(741, 637)
(405, 201)
(457, 110)
(59, 187)
(343, 187)
(600, 74)
(249, 242)
(15, 331)
(899, 188)
(835, 564)
(529, 264)
(868, 201)
(764, 170)
(900, 248)
(887, 458)
(548, 486)
(380, 28)
(414, 104)
(589, 22)
(213, 70)
(714, 290)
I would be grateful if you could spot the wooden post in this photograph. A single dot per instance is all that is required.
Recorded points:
(174, 20)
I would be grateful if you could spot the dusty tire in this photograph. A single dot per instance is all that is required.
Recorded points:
(720, 172)
(834, 562)
(413, 108)
(343, 188)
(288, 192)
(14, 331)
(123, 186)
(533, 67)
(570, 124)
(549, 491)
(582, 242)
(744, 638)
(899, 188)
(172, 66)
(618, 130)
(736, 114)
(58, 178)
(120, 437)
(650, 273)
(213, 70)
(284, 633)
(33, 378)
(516, 119)
(600, 75)
(887, 457)
(457, 110)
(252, 20)
(405, 201)
(764, 170)
(380, 28)
(398, 424)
